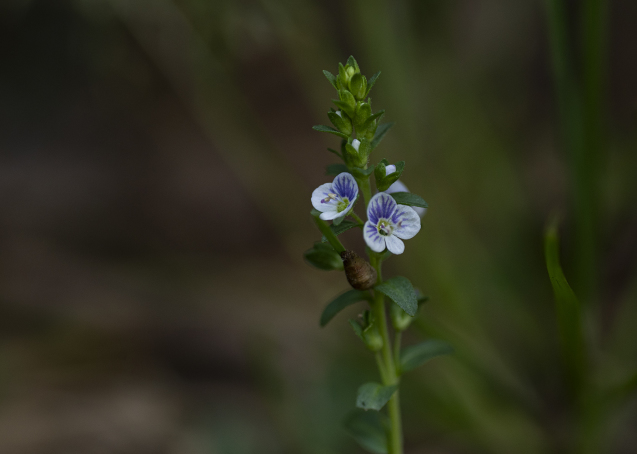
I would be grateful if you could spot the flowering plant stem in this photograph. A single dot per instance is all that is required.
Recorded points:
(387, 365)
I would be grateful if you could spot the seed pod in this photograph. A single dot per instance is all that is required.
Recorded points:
(360, 274)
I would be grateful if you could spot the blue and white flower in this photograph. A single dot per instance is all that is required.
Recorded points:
(388, 223)
(335, 199)
(399, 186)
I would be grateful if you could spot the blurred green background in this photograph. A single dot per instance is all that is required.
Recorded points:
(156, 166)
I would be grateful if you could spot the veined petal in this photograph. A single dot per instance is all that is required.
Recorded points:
(380, 206)
(395, 245)
(374, 240)
(406, 222)
(345, 186)
(320, 194)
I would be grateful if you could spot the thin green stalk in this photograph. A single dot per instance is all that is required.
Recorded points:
(356, 218)
(331, 237)
(366, 189)
(391, 378)
(381, 367)
(397, 339)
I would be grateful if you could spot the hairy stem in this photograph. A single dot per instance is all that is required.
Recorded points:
(331, 237)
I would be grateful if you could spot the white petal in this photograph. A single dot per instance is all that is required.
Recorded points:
(397, 186)
(409, 222)
(331, 215)
(356, 143)
(345, 186)
(395, 245)
(338, 112)
(374, 240)
(380, 206)
(391, 168)
(320, 194)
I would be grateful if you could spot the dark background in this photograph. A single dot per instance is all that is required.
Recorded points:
(156, 166)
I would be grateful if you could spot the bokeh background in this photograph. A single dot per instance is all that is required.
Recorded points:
(156, 166)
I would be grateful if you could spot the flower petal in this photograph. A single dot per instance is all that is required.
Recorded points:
(345, 186)
(374, 240)
(333, 214)
(319, 195)
(395, 245)
(397, 186)
(406, 222)
(380, 206)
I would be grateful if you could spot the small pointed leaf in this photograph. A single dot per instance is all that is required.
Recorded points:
(374, 396)
(371, 82)
(407, 198)
(341, 302)
(401, 292)
(323, 128)
(324, 257)
(331, 77)
(380, 133)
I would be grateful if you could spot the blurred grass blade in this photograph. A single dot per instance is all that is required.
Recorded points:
(368, 430)
(567, 306)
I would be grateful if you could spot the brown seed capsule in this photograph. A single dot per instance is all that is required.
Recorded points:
(360, 274)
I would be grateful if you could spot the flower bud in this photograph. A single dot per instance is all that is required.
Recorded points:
(358, 85)
(360, 274)
(341, 121)
(372, 337)
(399, 318)
(363, 112)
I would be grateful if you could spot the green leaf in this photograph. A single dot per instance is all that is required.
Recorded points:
(352, 62)
(368, 429)
(358, 329)
(324, 257)
(417, 355)
(386, 181)
(401, 292)
(342, 227)
(380, 133)
(341, 302)
(568, 307)
(407, 198)
(371, 82)
(323, 128)
(331, 77)
(345, 107)
(336, 169)
(361, 173)
(331, 150)
(374, 396)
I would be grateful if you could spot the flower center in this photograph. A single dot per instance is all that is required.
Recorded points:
(342, 205)
(384, 227)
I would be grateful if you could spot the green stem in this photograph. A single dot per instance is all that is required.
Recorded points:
(356, 218)
(397, 339)
(366, 189)
(381, 367)
(329, 234)
(390, 378)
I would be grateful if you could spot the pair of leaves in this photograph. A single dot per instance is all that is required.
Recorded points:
(324, 257)
(329, 129)
(374, 396)
(407, 198)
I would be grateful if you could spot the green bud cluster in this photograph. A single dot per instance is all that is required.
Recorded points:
(354, 120)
